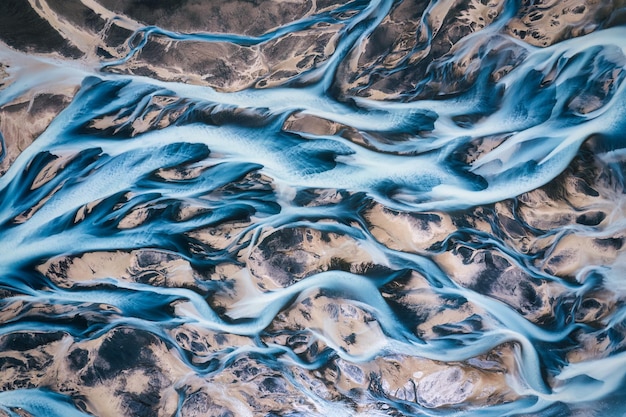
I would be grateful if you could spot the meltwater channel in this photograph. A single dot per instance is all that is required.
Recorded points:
(365, 208)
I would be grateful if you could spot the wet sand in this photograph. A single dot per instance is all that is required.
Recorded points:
(220, 285)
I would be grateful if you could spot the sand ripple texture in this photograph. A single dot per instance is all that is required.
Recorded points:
(312, 208)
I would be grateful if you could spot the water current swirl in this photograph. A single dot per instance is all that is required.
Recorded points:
(408, 221)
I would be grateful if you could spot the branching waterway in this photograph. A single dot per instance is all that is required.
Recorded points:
(424, 215)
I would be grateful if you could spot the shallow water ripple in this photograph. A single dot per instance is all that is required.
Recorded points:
(360, 208)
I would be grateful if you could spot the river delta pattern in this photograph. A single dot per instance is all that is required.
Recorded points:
(312, 208)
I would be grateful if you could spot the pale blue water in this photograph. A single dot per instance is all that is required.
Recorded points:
(115, 173)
